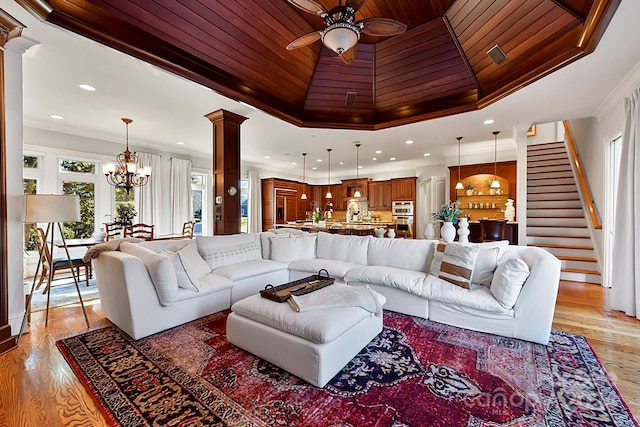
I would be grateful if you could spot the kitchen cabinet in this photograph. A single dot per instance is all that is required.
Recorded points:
(279, 202)
(350, 186)
(403, 189)
(379, 195)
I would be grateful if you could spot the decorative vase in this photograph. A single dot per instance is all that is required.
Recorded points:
(99, 235)
(429, 232)
(379, 232)
(492, 191)
(391, 233)
(510, 211)
(463, 230)
(448, 231)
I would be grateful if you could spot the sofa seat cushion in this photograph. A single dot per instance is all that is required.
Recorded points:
(336, 269)
(477, 297)
(243, 270)
(318, 326)
(407, 280)
(207, 284)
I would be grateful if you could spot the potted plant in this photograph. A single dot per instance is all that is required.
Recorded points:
(125, 215)
(448, 214)
(469, 187)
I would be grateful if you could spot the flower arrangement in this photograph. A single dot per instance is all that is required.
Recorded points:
(469, 186)
(448, 212)
(317, 216)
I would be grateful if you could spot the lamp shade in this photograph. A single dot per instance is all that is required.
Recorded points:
(51, 208)
(340, 38)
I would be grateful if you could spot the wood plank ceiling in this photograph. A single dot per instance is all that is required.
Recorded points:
(438, 67)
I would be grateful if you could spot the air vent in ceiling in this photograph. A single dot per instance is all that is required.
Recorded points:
(350, 99)
(497, 54)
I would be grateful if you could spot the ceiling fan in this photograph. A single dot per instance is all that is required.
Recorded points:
(341, 32)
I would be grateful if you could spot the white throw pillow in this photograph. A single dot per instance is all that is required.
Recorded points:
(508, 280)
(189, 265)
(293, 248)
(161, 271)
(454, 262)
(487, 261)
(218, 257)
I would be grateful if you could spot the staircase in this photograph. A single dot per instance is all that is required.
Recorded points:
(555, 218)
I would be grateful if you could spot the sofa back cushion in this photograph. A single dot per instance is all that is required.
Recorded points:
(343, 248)
(287, 249)
(487, 261)
(265, 242)
(401, 253)
(161, 271)
(219, 251)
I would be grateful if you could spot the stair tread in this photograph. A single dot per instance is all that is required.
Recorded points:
(556, 246)
(558, 236)
(576, 258)
(579, 270)
(555, 226)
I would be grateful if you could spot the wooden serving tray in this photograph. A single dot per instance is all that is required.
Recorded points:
(281, 293)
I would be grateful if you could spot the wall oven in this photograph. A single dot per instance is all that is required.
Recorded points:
(402, 209)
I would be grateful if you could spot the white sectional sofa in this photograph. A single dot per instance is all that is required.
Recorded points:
(152, 286)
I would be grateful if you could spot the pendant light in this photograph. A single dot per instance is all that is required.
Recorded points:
(459, 185)
(357, 194)
(328, 195)
(304, 182)
(495, 184)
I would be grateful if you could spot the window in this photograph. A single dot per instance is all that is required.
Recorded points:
(244, 206)
(75, 166)
(86, 191)
(31, 162)
(198, 191)
(30, 187)
(122, 198)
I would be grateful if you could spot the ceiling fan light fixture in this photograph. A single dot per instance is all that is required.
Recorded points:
(340, 37)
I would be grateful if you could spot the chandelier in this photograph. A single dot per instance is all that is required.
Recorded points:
(126, 172)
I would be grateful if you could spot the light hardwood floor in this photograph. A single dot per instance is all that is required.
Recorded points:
(39, 389)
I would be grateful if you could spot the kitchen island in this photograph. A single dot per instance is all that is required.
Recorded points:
(357, 228)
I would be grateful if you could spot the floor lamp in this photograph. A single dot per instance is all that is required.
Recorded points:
(52, 209)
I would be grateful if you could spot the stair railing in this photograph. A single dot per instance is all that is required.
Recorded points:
(582, 182)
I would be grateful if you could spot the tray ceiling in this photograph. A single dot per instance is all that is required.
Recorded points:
(438, 67)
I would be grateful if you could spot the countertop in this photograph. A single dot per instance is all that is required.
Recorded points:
(354, 225)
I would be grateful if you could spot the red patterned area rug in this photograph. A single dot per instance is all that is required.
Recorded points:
(415, 373)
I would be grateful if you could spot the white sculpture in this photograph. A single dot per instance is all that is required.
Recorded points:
(510, 211)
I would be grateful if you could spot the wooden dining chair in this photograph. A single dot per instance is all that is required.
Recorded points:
(140, 230)
(113, 230)
(187, 229)
(492, 230)
(58, 264)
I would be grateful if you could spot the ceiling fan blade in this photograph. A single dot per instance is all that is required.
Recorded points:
(356, 4)
(304, 40)
(383, 27)
(308, 6)
(349, 55)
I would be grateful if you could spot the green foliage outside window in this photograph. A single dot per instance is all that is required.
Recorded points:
(84, 228)
(30, 162)
(29, 187)
(77, 167)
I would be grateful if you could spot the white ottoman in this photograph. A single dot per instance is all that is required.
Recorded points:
(313, 345)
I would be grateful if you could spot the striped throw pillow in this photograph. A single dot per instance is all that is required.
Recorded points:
(454, 262)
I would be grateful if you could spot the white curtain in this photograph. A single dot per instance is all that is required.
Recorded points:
(255, 202)
(180, 194)
(147, 197)
(626, 249)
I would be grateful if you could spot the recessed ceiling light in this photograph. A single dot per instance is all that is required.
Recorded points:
(267, 157)
(360, 167)
(392, 158)
(379, 152)
(426, 154)
(57, 117)
(88, 88)
(375, 158)
(314, 168)
(409, 142)
(319, 160)
(488, 122)
(180, 143)
(342, 163)
(294, 163)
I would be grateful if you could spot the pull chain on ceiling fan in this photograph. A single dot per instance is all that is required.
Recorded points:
(341, 32)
